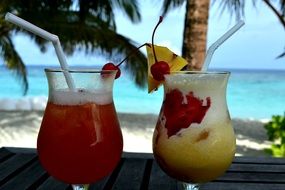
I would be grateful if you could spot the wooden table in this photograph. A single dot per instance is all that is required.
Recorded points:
(20, 169)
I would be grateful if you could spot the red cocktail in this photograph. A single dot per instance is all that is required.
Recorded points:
(80, 139)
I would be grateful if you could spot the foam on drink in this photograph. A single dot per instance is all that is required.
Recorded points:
(80, 96)
(195, 81)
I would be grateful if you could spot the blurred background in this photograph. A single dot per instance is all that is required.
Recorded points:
(93, 33)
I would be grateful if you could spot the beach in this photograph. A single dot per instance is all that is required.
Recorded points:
(20, 129)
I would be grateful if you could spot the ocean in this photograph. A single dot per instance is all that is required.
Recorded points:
(251, 94)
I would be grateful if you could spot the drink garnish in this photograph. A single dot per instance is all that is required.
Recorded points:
(161, 61)
(181, 111)
(159, 68)
(112, 66)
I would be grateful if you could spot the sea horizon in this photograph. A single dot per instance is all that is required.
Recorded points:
(251, 93)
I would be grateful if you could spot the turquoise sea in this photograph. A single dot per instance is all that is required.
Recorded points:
(256, 94)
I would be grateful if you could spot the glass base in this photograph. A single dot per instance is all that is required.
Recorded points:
(80, 187)
(189, 186)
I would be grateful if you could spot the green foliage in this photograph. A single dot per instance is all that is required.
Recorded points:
(276, 133)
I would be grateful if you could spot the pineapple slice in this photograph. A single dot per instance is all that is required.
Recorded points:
(176, 63)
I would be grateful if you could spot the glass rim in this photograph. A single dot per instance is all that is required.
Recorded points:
(201, 72)
(79, 70)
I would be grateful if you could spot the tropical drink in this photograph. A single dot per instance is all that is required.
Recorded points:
(80, 140)
(194, 140)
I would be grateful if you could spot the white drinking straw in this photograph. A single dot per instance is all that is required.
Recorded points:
(216, 44)
(48, 36)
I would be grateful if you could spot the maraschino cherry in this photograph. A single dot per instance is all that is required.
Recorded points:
(112, 66)
(159, 68)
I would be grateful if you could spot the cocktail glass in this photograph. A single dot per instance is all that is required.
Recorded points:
(194, 141)
(80, 139)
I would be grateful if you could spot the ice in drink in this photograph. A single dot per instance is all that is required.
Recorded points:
(194, 140)
(80, 140)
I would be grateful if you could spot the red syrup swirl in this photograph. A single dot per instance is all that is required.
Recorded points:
(180, 112)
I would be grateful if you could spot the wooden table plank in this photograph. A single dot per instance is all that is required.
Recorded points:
(27, 179)
(5, 154)
(53, 184)
(141, 155)
(21, 150)
(108, 181)
(259, 160)
(101, 184)
(14, 165)
(253, 177)
(241, 186)
(21, 170)
(254, 168)
(159, 180)
(131, 174)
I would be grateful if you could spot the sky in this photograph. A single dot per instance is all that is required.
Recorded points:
(254, 46)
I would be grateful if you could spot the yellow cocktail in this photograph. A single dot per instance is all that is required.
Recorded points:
(194, 140)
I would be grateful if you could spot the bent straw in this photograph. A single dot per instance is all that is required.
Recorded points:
(219, 42)
(48, 36)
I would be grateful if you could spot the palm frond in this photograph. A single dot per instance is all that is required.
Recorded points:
(171, 4)
(277, 11)
(80, 24)
(281, 55)
(130, 8)
(282, 7)
(102, 9)
(136, 65)
(121, 46)
(96, 37)
(234, 7)
(13, 61)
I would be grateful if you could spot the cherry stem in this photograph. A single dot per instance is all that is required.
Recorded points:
(131, 53)
(152, 37)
